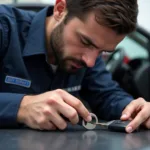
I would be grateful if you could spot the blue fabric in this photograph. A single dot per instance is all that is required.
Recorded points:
(23, 55)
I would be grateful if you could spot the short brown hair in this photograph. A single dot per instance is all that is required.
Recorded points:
(119, 15)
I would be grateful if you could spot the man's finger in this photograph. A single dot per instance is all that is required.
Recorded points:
(138, 120)
(68, 112)
(77, 104)
(58, 105)
(47, 126)
(58, 121)
(147, 123)
(51, 126)
(131, 109)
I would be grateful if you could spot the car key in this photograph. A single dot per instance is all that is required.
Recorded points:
(88, 125)
(116, 125)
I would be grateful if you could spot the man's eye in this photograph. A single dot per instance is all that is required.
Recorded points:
(107, 52)
(85, 43)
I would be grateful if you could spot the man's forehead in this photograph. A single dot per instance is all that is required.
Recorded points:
(102, 35)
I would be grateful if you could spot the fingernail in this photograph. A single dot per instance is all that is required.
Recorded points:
(89, 118)
(124, 116)
(129, 129)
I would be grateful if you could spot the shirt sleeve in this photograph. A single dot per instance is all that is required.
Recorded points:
(9, 102)
(104, 95)
(4, 39)
(1, 40)
(9, 106)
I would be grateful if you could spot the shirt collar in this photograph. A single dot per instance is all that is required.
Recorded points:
(36, 41)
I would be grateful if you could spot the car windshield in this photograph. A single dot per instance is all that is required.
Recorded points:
(135, 45)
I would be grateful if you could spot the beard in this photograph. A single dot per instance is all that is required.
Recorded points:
(58, 49)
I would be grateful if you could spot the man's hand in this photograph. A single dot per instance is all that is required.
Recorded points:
(44, 111)
(139, 112)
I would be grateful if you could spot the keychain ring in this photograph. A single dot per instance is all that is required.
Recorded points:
(89, 125)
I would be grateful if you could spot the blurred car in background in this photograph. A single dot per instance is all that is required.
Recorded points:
(34, 5)
(130, 63)
(27, 1)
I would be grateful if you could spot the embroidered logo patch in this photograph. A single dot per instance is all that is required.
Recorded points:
(18, 81)
(73, 89)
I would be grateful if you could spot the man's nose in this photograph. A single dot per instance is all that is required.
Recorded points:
(90, 59)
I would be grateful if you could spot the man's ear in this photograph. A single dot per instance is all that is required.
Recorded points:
(59, 9)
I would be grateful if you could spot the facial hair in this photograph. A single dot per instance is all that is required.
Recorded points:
(57, 48)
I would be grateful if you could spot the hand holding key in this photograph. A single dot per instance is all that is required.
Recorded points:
(114, 125)
(44, 111)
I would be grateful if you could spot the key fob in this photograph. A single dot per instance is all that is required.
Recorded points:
(118, 125)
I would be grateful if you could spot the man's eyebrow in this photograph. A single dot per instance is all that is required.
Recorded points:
(92, 43)
(88, 40)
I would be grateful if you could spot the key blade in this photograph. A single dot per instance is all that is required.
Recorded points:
(104, 124)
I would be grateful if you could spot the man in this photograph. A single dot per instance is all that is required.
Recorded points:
(50, 61)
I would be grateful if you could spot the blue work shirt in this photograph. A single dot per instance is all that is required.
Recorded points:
(24, 70)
